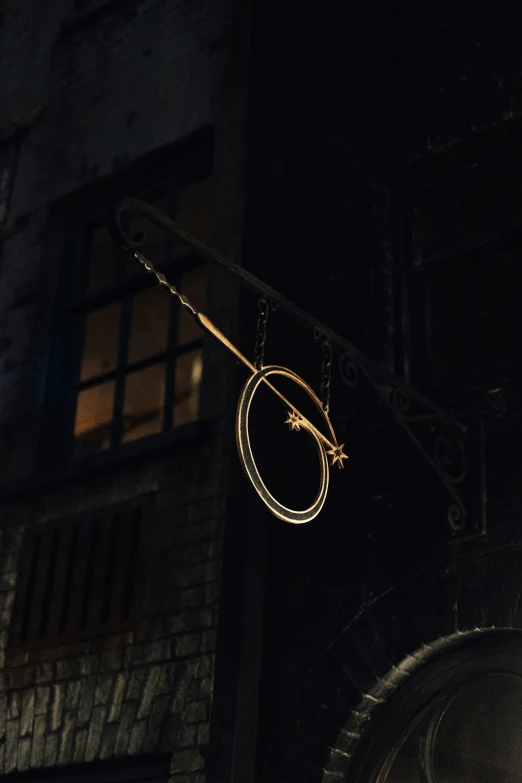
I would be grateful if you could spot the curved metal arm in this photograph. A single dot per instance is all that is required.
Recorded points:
(120, 236)
(127, 242)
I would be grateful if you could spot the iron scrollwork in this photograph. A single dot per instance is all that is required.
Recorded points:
(442, 439)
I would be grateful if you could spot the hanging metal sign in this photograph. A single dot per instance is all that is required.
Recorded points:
(326, 444)
(441, 439)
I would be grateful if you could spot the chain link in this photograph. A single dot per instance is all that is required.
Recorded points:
(326, 368)
(259, 353)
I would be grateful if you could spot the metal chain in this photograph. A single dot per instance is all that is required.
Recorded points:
(259, 353)
(326, 368)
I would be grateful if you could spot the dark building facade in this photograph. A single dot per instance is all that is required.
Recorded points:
(156, 622)
(398, 158)
(111, 551)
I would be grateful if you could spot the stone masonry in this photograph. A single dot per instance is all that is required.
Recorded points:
(89, 89)
(148, 690)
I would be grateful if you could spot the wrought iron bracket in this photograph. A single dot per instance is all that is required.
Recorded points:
(449, 446)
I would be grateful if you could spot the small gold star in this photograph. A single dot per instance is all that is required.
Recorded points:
(293, 421)
(337, 455)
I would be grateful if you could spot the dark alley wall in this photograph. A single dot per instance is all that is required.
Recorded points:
(91, 93)
(396, 137)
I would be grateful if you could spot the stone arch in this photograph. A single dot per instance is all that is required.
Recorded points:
(377, 651)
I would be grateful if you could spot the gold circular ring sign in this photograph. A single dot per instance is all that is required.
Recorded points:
(247, 457)
(325, 446)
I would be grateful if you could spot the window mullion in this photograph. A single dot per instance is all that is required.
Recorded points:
(123, 348)
(119, 290)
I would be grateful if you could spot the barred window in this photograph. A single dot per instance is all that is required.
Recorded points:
(81, 576)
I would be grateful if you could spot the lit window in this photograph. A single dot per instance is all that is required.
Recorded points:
(141, 355)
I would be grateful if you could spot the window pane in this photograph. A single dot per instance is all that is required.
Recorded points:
(477, 739)
(193, 284)
(150, 324)
(93, 418)
(435, 226)
(100, 347)
(104, 257)
(193, 208)
(144, 403)
(189, 369)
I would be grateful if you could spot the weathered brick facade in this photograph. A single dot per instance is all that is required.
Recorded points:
(265, 651)
(148, 690)
(87, 92)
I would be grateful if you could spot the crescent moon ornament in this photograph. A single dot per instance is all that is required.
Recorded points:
(327, 446)
(295, 421)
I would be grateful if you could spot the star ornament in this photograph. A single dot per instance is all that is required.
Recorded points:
(337, 455)
(293, 421)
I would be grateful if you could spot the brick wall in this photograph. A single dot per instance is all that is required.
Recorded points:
(147, 690)
(84, 96)
(91, 95)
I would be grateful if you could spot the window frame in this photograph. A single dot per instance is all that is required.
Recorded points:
(416, 273)
(150, 179)
(425, 686)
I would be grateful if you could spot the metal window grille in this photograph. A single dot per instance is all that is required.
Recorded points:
(81, 577)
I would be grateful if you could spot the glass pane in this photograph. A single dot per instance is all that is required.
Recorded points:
(435, 224)
(92, 427)
(104, 256)
(100, 345)
(471, 737)
(154, 246)
(489, 201)
(194, 285)
(474, 289)
(193, 208)
(150, 324)
(477, 739)
(143, 403)
(189, 369)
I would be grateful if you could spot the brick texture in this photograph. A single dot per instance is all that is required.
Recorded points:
(105, 91)
(145, 691)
